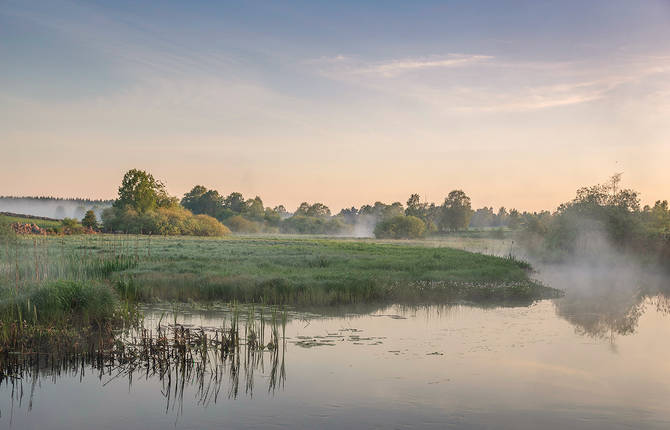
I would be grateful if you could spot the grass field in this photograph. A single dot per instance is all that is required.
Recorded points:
(43, 223)
(49, 284)
(281, 270)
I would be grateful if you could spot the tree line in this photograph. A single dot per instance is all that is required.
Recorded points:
(144, 206)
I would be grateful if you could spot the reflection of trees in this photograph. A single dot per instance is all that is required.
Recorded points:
(604, 308)
(181, 359)
(603, 315)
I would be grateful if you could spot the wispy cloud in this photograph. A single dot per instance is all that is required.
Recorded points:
(482, 83)
(395, 67)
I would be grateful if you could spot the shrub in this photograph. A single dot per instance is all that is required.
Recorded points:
(71, 226)
(206, 225)
(313, 225)
(239, 224)
(164, 221)
(400, 227)
(90, 220)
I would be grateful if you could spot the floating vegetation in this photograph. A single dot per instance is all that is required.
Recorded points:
(343, 335)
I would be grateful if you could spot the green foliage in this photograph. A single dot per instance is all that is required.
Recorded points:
(300, 224)
(235, 203)
(41, 222)
(599, 213)
(200, 200)
(239, 224)
(90, 220)
(456, 212)
(254, 209)
(141, 192)
(205, 225)
(657, 218)
(382, 211)
(71, 226)
(272, 217)
(6, 231)
(60, 302)
(161, 221)
(321, 271)
(314, 210)
(400, 227)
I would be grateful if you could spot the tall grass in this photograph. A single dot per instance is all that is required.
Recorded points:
(50, 287)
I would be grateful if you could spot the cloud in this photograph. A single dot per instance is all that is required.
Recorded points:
(395, 67)
(475, 83)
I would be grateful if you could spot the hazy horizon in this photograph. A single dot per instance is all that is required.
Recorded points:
(517, 104)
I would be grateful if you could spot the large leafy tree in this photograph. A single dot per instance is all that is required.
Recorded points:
(235, 203)
(200, 200)
(456, 211)
(254, 209)
(142, 192)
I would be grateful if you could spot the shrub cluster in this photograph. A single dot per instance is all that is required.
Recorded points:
(300, 224)
(163, 221)
(400, 227)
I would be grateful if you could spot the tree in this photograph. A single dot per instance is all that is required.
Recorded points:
(200, 200)
(235, 202)
(315, 210)
(191, 199)
(254, 209)
(514, 219)
(348, 215)
(501, 217)
(400, 227)
(90, 220)
(142, 192)
(456, 211)
(415, 207)
(483, 217)
(319, 210)
(272, 217)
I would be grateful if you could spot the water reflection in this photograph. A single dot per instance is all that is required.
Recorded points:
(175, 356)
(606, 300)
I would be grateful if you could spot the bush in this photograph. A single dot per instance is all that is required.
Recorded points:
(400, 227)
(239, 224)
(313, 225)
(71, 226)
(206, 225)
(90, 220)
(164, 221)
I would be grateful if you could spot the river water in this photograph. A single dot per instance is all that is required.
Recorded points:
(598, 358)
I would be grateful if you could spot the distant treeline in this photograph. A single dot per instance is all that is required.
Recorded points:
(67, 199)
(600, 219)
(53, 207)
(603, 212)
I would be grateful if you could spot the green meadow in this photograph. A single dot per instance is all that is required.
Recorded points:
(284, 270)
(42, 223)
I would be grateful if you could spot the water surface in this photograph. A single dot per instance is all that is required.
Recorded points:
(555, 364)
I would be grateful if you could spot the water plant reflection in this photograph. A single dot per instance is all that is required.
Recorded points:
(178, 355)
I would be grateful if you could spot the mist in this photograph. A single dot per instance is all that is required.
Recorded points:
(52, 208)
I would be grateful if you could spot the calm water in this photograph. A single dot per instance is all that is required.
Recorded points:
(597, 359)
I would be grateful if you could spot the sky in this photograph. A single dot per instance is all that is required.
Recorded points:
(517, 103)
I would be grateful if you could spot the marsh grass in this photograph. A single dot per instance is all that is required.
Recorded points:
(96, 280)
(207, 359)
(317, 271)
(51, 288)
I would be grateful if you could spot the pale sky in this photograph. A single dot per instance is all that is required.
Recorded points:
(346, 103)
